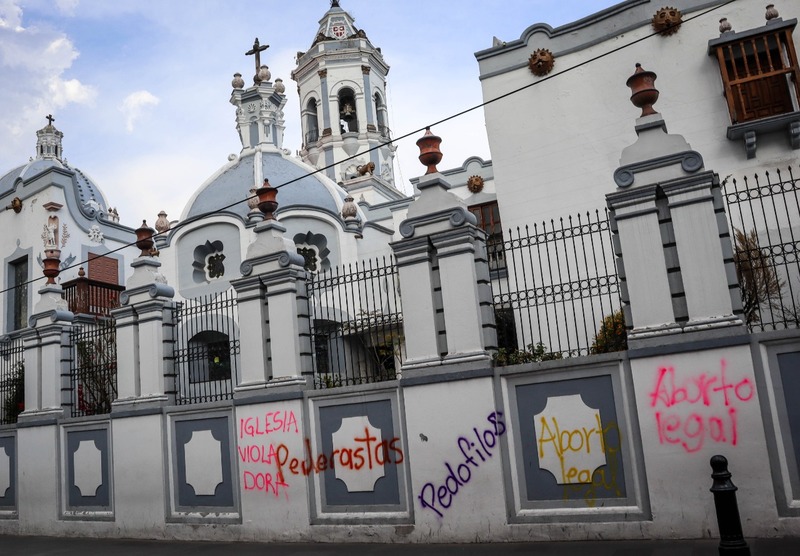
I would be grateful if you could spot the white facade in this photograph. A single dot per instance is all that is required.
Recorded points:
(451, 447)
(557, 143)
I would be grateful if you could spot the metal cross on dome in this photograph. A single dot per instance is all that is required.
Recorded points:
(257, 50)
(50, 119)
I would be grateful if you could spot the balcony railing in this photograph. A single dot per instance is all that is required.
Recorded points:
(90, 297)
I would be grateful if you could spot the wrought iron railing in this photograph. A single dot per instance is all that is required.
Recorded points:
(356, 323)
(93, 370)
(764, 218)
(90, 297)
(12, 379)
(559, 294)
(206, 349)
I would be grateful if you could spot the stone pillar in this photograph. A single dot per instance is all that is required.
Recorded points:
(415, 266)
(646, 288)
(144, 334)
(47, 355)
(441, 264)
(47, 387)
(273, 304)
(669, 236)
(705, 282)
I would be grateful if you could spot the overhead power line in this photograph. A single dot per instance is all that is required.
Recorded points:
(396, 139)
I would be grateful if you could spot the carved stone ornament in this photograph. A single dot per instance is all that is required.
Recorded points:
(16, 205)
(237, 82)
(667, 21)
(364, 169)
(475, 184)
(349, 209)
(771, 12)
(541, 62)
(162, 223)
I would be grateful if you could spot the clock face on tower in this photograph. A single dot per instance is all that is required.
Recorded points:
(338, 31)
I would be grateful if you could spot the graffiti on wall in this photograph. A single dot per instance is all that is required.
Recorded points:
(692, 409)
(259, 449)
(474, 449)
(569, 437)
(358, 457)
(570, 442)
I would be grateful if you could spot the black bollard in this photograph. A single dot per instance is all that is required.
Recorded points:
(731, 539)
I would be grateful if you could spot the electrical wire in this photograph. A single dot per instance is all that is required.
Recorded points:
(549, 77)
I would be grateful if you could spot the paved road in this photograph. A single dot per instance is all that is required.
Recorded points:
(53, 546)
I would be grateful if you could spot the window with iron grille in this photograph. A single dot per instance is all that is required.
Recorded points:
(488, 215)
(211, 357)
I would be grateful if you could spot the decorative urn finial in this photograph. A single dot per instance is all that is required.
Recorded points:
(772, 13)
(429, 153)
(266, 200)
(724, 25)
(238, 82)
(252, 200)
(144, 239)
(162, 224)
(264, 74)
(280, 88)
(51, 263)
(644, 94)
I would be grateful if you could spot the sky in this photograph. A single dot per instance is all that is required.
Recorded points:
(141, 88)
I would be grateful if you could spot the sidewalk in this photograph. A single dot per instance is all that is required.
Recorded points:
(55, 546)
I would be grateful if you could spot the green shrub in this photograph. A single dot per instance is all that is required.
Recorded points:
(612, 335)
(535, 353)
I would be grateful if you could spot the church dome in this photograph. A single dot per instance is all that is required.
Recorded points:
(88, 195)
(260, 123)
(303, 190)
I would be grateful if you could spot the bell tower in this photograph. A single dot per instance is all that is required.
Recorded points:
(341, 81)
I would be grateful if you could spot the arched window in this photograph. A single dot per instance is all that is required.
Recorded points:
(312, 123)
(380, 114)
(209, 357)
(348, 120)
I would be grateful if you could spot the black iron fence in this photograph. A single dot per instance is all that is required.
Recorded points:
(356, 323)
(558, 295)
(764, 218)
(93, 370)
(206, 350)
(12, 379)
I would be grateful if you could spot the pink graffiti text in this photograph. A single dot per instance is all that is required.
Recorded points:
(698, 408)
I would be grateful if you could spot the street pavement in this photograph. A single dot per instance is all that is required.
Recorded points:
(57, 546)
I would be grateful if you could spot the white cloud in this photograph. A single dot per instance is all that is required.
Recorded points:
(65, 91)
(10, 15)
(33, 63)
(135, 105)
(67, 7)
